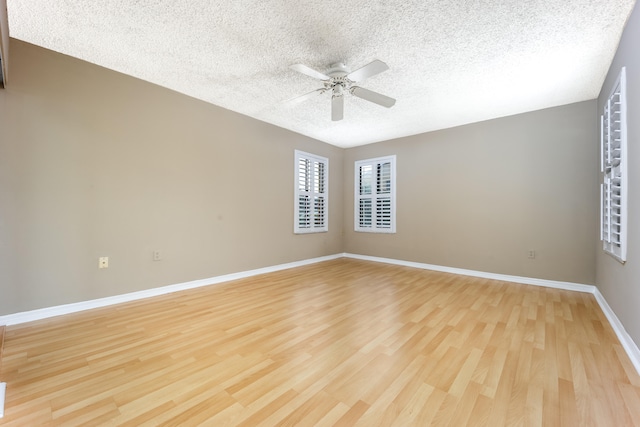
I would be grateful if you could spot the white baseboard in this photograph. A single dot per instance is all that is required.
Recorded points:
(3, 388)
(569, 286)
(627, 342)
(44, 313)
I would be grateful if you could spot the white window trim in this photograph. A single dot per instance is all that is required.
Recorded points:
(357, 196)
(613, 217)
(313, 194)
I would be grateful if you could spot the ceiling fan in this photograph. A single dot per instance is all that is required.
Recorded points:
(339, 81)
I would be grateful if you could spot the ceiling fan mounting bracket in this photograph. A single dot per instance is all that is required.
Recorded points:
(339, 69)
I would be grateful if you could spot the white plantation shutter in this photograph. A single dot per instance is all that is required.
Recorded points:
(311, 193)
(613, 189)
(375, 195)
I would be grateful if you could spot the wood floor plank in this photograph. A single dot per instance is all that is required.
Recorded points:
(351, 417)
(343, 342)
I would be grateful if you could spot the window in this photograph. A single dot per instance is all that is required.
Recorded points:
(613, 165)
(311, 193)
(375, 195)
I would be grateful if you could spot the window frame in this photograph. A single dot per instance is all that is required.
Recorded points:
(613, 168)
(315, 190)
(375, 196)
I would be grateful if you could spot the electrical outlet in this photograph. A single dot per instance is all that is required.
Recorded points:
(531, 254)
(103, 262)
(157, 256)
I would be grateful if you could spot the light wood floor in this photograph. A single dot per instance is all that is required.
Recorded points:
(339, 343)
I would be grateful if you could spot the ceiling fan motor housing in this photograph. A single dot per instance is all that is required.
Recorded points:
(338, 83)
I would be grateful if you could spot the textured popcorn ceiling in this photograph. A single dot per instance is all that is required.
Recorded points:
(451, 62)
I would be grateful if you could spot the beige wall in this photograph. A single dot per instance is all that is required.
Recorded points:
(620, 284)
(94, 163)
(480, 196)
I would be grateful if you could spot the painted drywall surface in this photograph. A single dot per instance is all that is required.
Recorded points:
(94, 163)
(618, 283)
(481, 196)
(8, 215)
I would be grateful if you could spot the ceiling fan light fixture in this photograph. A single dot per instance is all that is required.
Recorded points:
(338, 90)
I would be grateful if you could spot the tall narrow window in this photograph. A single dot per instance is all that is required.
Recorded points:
(375, 195)
(613, 165)
(311, 193)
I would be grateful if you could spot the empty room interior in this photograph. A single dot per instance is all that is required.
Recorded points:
(402, 213)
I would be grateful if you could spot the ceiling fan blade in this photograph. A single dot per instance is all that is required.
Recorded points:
(298, 99)
(301, 68)
(375, 97)
(371, 69)
(337, 108)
